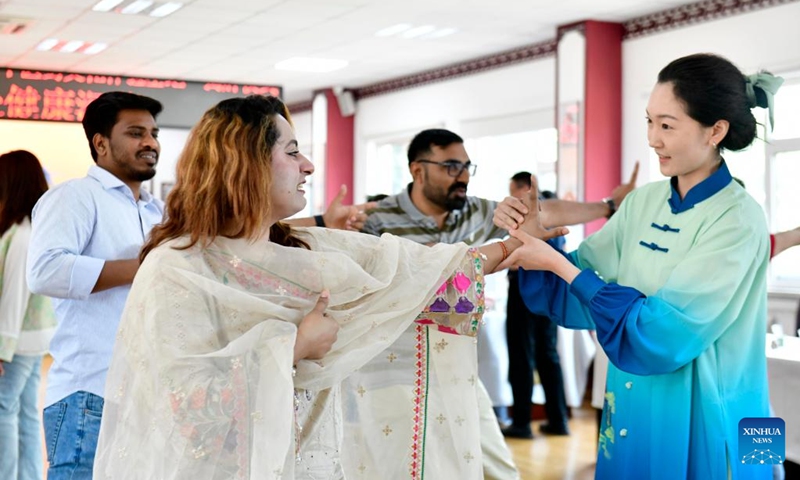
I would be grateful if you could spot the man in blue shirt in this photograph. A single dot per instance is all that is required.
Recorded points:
(84, 252)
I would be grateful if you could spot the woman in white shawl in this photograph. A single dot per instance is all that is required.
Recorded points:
(239, 330)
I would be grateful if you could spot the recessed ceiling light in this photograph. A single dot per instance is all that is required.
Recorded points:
(71, 46)
(442, 32)
(47, 44)
(106, 5)
(315, 65)
(418, 31)
(165, 9)
(393, 30)
(95, 48)
(136, 7)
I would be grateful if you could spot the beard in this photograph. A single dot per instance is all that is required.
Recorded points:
(141, 175)
(130, 171)
(449, 200)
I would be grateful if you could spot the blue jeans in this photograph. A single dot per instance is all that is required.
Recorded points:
(71, 428)
(20, 440)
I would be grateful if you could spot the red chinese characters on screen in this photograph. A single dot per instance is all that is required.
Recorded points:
(66, 105)
(21, 103)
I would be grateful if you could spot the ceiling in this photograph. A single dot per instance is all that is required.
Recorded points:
(240, 41)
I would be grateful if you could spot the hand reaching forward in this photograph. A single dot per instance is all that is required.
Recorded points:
(317, 332)
(621, 191)
(513, 213)
(346, 217)
(510, 213)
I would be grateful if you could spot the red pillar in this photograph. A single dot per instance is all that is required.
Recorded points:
(339, 150)
(603, 124)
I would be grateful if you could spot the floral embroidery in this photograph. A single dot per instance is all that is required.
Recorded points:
(213, 418)
(606, 440)
(252, 277)
(458, 306)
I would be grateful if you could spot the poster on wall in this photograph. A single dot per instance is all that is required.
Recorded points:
(62, 96)
(570, 164)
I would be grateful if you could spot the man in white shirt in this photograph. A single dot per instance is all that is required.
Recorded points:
(84, 252)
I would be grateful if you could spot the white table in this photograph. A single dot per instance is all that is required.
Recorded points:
(783, 370)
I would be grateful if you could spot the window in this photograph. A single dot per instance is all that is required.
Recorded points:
(499, 157)
(771, 172)
(387, 167)
(783, 175)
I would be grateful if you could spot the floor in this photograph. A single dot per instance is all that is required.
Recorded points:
(559, 457)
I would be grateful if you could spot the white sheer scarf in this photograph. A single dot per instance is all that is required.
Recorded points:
(201, 386)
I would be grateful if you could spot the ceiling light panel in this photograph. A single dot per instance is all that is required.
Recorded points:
(136, 7)
(165, 9)
(106, 5)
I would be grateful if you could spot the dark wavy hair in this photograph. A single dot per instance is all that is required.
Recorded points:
(712, 89)
(22, 183)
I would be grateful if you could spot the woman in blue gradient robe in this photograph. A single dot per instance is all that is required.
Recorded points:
(675, 286)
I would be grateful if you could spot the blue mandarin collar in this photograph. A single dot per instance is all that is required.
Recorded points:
(702, 191)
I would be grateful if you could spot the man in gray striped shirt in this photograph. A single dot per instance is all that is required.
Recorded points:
(435, 208)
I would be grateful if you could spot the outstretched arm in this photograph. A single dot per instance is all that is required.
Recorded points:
(342, 217)
(556, 212)
(660, 332)
(785, 240)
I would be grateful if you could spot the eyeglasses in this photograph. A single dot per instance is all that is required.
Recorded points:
(454, 167)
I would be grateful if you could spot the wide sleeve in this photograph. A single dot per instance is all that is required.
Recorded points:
(63, 224)
(661, 333)
(544, 293)
(200, 385)
(379, 286)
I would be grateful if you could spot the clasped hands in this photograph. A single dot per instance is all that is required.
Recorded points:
(521, 218)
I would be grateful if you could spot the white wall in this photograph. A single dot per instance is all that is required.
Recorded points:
(172, 141)
(63, 150)
(526, 88)
(765, 39)
(302, 129)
